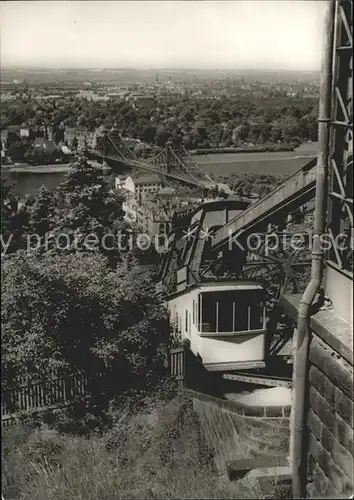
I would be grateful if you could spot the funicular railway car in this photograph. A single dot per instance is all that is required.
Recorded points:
(222, 317)
(224, 323)
(221, 297)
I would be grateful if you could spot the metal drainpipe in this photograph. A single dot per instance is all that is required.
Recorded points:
(299, 452)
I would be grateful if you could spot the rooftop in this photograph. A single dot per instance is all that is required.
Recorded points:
(167, 190)
(147, 179)
(185, 208)
(41, 142)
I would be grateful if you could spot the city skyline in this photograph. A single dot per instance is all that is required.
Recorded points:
(233, 35)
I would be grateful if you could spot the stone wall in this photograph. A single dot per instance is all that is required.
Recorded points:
(235, 431)
(330, 423)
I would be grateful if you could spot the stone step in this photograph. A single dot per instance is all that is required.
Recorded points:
(270, 472)
(265, 465)
(280, 483)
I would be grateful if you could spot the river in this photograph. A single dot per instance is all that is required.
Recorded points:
(27, 180)
(28, 183)
(287, 162)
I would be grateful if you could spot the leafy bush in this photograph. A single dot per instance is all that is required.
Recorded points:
(74, 314)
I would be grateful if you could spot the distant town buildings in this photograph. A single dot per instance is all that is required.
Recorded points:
(153, 207)
(142, 185)
(136, 190)
(142, 100)
(90, 95)
(24, 132)
(78, 138)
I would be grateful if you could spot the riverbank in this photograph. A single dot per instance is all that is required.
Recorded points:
(266, 148)
(247, 149)
(62, 168)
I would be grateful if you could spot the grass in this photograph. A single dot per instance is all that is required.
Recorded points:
(159, 453)
(156, 452)
(282, 491)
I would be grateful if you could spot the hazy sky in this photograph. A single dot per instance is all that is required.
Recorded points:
(241, 34)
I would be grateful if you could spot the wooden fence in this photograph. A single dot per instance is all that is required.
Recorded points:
(178, 363)
(31, 395)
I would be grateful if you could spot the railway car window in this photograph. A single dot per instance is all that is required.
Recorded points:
(231, 311)
(199, 311)
(241, 316)
(256, 317)
(225, 310)
(208, 312)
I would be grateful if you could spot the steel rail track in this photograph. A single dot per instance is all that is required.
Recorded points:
(270, 381)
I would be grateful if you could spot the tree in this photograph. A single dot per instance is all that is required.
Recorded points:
(17, 150)
(14, 221)
(88, 199)
(43, 212)
(43, 156)
(73, 313)
(275, 133)
(8, 207)
(155, 125)
(74, 143)
(58, 134)
(162, 136)
(148, 133)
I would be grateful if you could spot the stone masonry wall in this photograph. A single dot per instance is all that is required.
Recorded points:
(330, 423)
(235, 431)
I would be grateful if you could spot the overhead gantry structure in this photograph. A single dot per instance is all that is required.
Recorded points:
(228, 251)
(272, 213)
